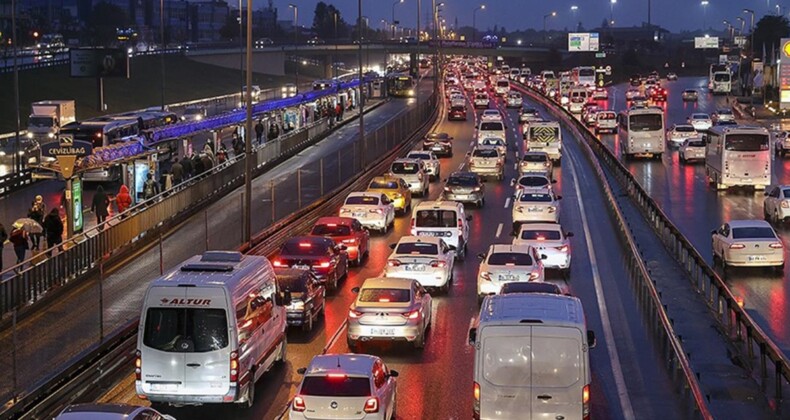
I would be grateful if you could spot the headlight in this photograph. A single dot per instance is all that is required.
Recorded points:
(50, 135)
(411, 92)
(296, 305)
(29, 135)
(198, 117)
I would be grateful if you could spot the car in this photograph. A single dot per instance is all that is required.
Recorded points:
(491, 115)
(429, 260)
(464, 187)
(389, 309)
(722, 115)
(776, 206)
(700, 121)
(315, 41)
(600, 93)
(689, 95)
(606, 121)
(457, 111)
(307, 296)
(692, 149)
(747, 243)
(349, 231)
(534, 181)
(481, 100)
(639, 101)
(631, 93)
(506, 263)
(529, 114)
(413, 172)
(110, 412)
(536, 162)
(396, 190)
(495, 142)
(328, 261)
(781, 143)
(194, 113)
(443, 219)
(289, 90)
(263, 42)
(487, 129)
(530, 287)
(590, 115)
(373, 210)
(345, 383)
(658, 94)
(431, 162)
(635, 80)
(514, 100)
(487, 161)
(680, 133)
(439, 143)
(672, 76)
(550, 240)
(531, 206)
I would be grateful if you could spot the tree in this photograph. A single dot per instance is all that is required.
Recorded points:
(324, 21)
(768, 31)
(105, 19)
(230, 30)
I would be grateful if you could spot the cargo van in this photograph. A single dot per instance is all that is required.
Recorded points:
(442, 219)
(545, 136)
(531, 358)
(209, 329)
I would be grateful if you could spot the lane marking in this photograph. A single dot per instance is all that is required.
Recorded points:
(507, 202)
(611, 346)
(499, 230)
(335, 336)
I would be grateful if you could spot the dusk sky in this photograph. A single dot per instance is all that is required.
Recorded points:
(675, 15)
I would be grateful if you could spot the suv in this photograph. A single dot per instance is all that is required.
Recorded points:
(443, 219)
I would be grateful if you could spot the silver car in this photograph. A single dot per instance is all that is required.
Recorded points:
(412, 171)
(550, 240)
(537, 162)
(776, 206)
(431, 162)
(110, 412)
(504, 264)
(692, 149)
(464, 187)
(389, 309)
(487, 162)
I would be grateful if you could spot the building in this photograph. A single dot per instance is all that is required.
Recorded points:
(207, 18)
(625, 36)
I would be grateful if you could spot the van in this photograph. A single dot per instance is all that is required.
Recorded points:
(443, 219)
(531, 358)
(545, 136)
(578, 97)
(209, 329)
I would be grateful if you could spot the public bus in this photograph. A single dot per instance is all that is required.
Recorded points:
(642, 132)
(584, 76)
(400, 85)
(737, 156)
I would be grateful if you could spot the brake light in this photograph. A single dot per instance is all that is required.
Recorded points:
(447, 188)
(298, 404)
(540, 238)
(377, 211)
(331, 224)
(520, 209)
(776, 245)
(305, 245)
(533, 276)
(419, 176)
(563, 248)
(413, 228)
(393, 263)
(438, 264)
(234, 366)
(354, 314)
(476, 402)
(586, 402)
(322, 264)
(372, 405)
(352, 241)
(785, 204)
(138, 366)
(336, 376)
(737, 246)
(412, 315)
(552, 209)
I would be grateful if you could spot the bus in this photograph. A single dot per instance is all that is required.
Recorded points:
(721, 83)
(102, 131)
(400, 85)
(584, 76)
(642, 132)
(737, 156)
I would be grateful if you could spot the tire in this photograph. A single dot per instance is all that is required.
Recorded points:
(358, 260)
(779, 269)
(354, 346)
(419, 343)
(445, 289)
(308, 325)
(250, 397)
(766, 217)
(481, 203)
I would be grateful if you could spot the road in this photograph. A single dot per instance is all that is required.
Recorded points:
(437, 381)
(696, 208)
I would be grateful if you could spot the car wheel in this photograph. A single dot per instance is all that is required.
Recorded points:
(250, 397)
(354, 346)
(419, 343)
(766, 217)
(481, 202)
(358, 260)
(308, 325)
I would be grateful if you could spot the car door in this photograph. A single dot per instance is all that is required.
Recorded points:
(426, 306)
(388, 207)
(362, 234)
(772, 201)
(381, 386)
(319, 292)
(448, 255)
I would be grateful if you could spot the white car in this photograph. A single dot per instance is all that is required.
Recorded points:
(672, 76)
(781, 143)
(530, 206)
(700, 121)
(491, 115)
(413, 172)
(495, 142)
(692, 149)
(431, 162)
(110, 412)
(373, 210)
(747, 243)
(487, 162)
(429, 260)
(631, 93)
(504, 264)
(776, 206)
(550, 240)
(537, 162)
(606, 121)
(689, 95)
(680, 133)
(514, 100)
(534, 181)
(723, 115)
(529, 114)
(481, 100)
(345, 383)
(600, 93)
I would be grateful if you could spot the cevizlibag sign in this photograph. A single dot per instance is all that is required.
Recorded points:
(784, 74)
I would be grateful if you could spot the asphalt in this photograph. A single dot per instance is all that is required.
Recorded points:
(628, 379)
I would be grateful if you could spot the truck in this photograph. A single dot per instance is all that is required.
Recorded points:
(47, 117)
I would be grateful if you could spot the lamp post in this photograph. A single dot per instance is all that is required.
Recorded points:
(161, 53)
(362, 148)
(545, 18)
(296, 42)
(574, 9)
(395, 3)
(611, 11)
(743, 23)
(474, 20)
(728, 25)
(248, 134)
(704, 4)
(334, 57)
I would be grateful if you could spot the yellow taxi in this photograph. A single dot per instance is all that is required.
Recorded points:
(396, 190)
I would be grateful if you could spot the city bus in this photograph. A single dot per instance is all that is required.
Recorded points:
(642, 132)
(584, 76)
(737, 156)
(400, 85)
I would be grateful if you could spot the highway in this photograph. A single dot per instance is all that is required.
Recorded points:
(697, 208)
(628, 381)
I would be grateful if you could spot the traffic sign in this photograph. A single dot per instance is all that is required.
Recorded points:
(600, 55)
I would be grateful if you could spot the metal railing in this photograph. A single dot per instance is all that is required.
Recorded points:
(15, 181)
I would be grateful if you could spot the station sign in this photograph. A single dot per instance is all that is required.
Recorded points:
(784, 74)
(67, 150)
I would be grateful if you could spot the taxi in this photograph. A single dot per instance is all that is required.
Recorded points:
(395, 189)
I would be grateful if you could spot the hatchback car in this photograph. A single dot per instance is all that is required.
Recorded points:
(481, 100)
(328, 261)
(464, 187)
(110, 412)
(606, 121)
(395, 189)
(747, 243)
(358, 386)
(431, 162)
(721, 115)
(389, 309)
(413, 172)
(692, 149)
(439, 143)
(776, 206)
(514, 100)
(680, 133)
(550, 240)
(487, 162)
(534, 181)
(690, 95)
(531, 206)
(672, 76)
(700, 121)
(307, 296)
(504, 264)
(590, 115)
(346, 231)
(373, 210)
(428, 260)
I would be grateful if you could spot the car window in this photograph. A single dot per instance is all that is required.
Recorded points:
(753, 233)
(331, 229)
(541, 235)
(535, 198)
(533, 181)
(383, 185)
(405, 168)
(385, 295)
(335, 386)
(417, 248)
(534, 158)
(193, 329)
(509, 258)
(423, 156)
(491, 126)
(436, 219)
(306, 248)
(786, 193)
(485, 153)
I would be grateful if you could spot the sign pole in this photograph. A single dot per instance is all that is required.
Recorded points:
(69, 208)
(100, 91)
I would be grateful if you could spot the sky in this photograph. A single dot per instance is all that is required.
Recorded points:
(675, 15)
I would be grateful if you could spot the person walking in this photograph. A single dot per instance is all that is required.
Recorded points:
(197, 165)
(238, 145)
(209, 147)
(177, 170)
(259, 131)
(18, 238)
(53, 227)
(150, 187)
(123, 200)
(36, 213)
(272, 131)
(99, 205)
(186, 163)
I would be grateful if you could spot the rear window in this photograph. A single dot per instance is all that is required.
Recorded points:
(294, 284)
(331, 386)
(423, 156)
(697, 143)
(436, 219)
(185, 330)
(331, 230)
(541, 235)
(363, 200)
(533, 181)
(535, 198)
(534, 158)
(492, 126)
(507, 360)
(385, 295)
(786, 193)
(509, 258)
(383, 185)
(485, 153)
(481, 96)
(304, 248)
(462, 181)
(606, 116)
(493, 141)
(684, 129)
(405, 168)
(753, 233)
(437, 136)
(417, 248)
(746, 142)
(502, 83)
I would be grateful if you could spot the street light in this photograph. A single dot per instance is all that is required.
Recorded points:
(743, 23)
(395, 3)
(296, 39)
(751, 28)
(704, 4)
(611, 11)
(545, 17)
(574, 8)
(474, 20)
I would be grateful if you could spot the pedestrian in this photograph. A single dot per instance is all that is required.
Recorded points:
(272, 135)
(238, 146)
(222, 154)
(178, 172)
(186, 163)
(3, 238)
(150, 187)
(259, 131)
(209, 147)
(123, 200)
(36, 213)
(18, 238)
(339, 111)
(197, 165)
(99, 206)
(207, 161)
(53, 227)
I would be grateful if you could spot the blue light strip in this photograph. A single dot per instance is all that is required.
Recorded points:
(186, 129)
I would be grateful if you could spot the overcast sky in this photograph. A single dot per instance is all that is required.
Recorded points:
(675, 15)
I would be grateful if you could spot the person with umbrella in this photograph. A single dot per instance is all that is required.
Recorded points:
(37, 212)
(18, 239)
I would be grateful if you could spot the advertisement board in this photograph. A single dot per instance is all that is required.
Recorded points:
(76, 204)
(583, 41)
(99, 62)
(701, 42)
(784, 74)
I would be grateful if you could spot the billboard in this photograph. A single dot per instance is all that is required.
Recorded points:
(784, 74)
(99, 62)
(583, 41)
(701, 42)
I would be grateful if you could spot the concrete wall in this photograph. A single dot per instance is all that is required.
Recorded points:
(267, 63)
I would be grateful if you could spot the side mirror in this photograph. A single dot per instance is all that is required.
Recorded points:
(472, 337)
(355, 290)
(559, 197)
(392, 246)
(394, 373)
(591, 339)
(568, 234)
(481, 256)
(452, 247)
(713, 232)
(513, 182)
(553, 181)
(301, 370)
(543, 256)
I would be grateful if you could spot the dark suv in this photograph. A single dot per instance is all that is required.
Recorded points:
(307, 296)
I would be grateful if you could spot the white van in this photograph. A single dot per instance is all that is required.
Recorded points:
(209, 329)
(442, 219)
(544, 136)
(531, 358)
(578, 97)
(489, 129)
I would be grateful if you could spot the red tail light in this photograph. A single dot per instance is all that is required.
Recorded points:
(737, 246)
(322, 264)
(354, 314)
(278, 263)
(533, 276)
(785, 204)
(586, 402)
(438, 264)
(413, 228)
(234, 366)
(486, 275)
(138, 366)
(372, 405)
(393, 263)
(298, 404)
(476, 402)
(412, 315)
(776, 245)
(377, 211)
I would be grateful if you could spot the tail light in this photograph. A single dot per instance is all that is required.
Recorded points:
(586, 402)
(138, 366)
(737, 246)
(447, 189)
(345, 210)
(377, 211)
(476, 403)
(372, 405)
(477, 189)
(412, 315)
(322, 264)
(486, 275)
(438, 264)
(413, 228)
(776, 245)
(298, 404)
(552, 209)
(533, 276)
(563, 248)
(354, 314)
(520, 209)
(419, 176)
(393, 263)
(234, 366)
(278, 263)
(545, 164)
(352, 241)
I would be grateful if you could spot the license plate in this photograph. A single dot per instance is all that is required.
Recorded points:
(301, 267)
(507, 277)
(753, 258)
(358, 214)
(533, 210)
(383, 331)
(437, 148)
(423, 233)
(461, 197)
(164, 387)
(415, 267)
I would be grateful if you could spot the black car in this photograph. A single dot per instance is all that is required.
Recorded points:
(439, 143)
(464, 187)
(530, 287)
(307, 296)
(457, 112)
(636, 80)
(328, 261)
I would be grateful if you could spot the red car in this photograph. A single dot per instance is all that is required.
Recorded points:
(658, 94)
(345, 231)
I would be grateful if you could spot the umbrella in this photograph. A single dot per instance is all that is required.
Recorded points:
(29, 225)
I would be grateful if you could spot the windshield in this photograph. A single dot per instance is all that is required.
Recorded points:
(492, 126)
(202, 330)
(437, 136)
(485, 153)
(746, 142)
(536, 198)
(303, 248)
(335, 386)
(331, 230)
(502, 83)
(423, 156)
(385, 295)
(535, 158)
(363, 200)
(541, 235)
(509, 258)
(462, 181)
(753, 233)
(533, 181)
(586, 72)
(646, 122)
(405, 168)
(40, 122)
(436, 219)
(292, 283)
(383, 185)
(606, 116)
(417, 248)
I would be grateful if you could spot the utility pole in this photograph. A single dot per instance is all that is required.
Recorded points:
(16, 159)
(362, 145)
(248, 160)
(161, 52)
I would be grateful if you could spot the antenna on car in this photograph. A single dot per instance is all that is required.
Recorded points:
(338, 362)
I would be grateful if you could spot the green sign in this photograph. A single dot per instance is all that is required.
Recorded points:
(76, 201)
(600, 55)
